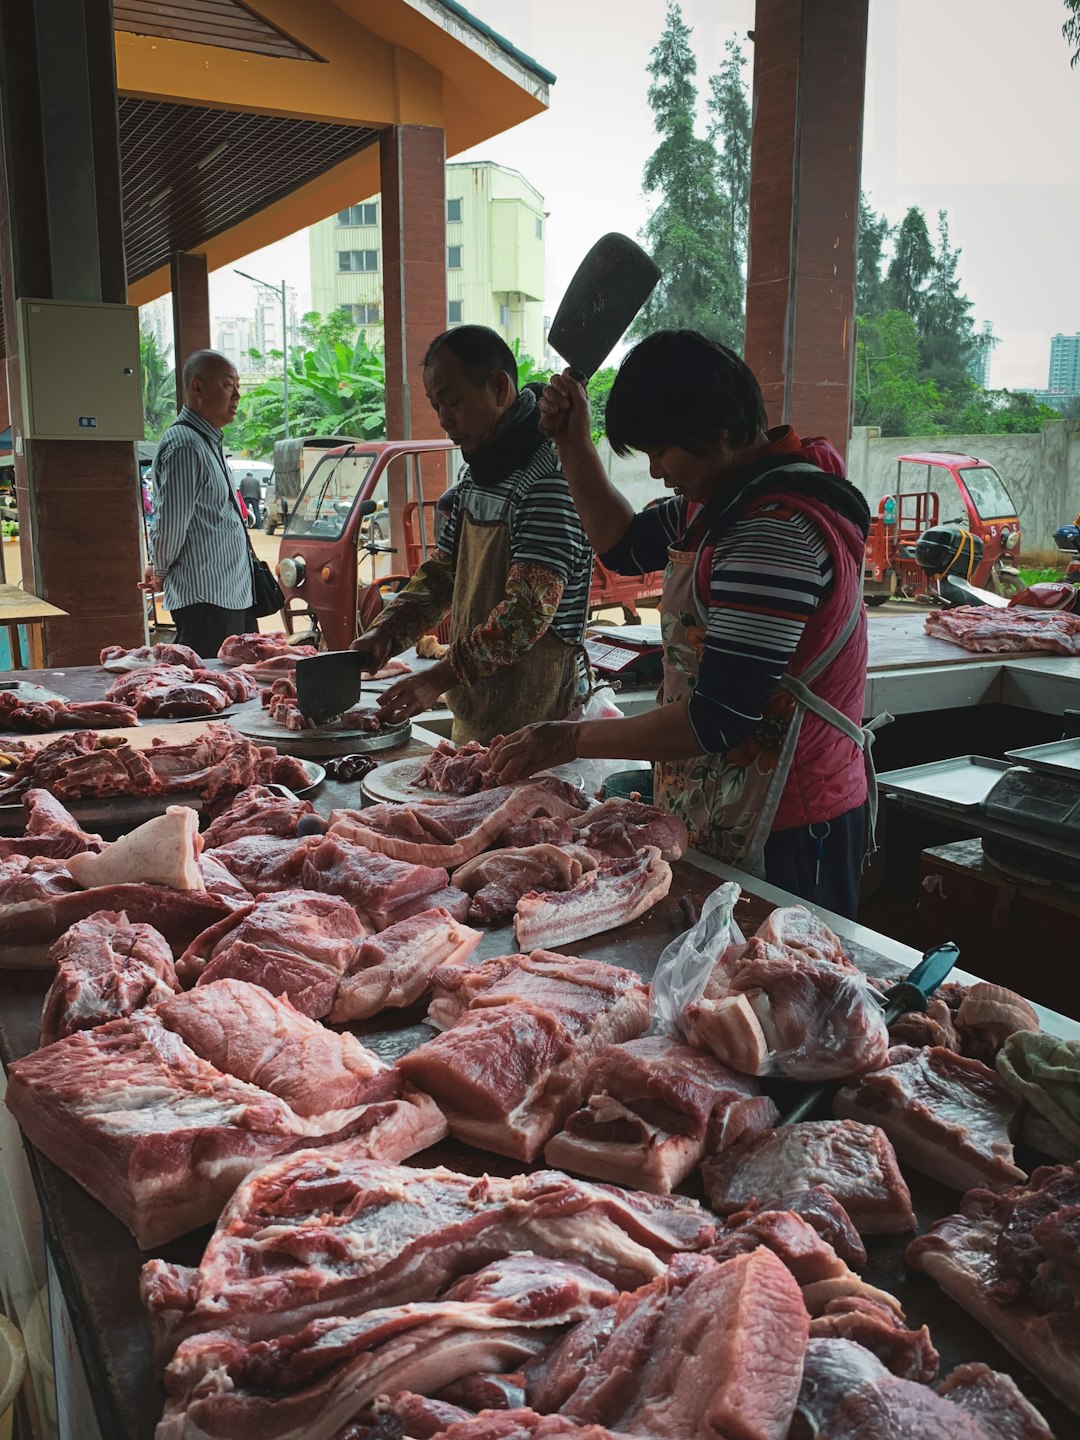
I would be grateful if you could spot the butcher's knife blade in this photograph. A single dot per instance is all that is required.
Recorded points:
(911, 993)
(608, 289)
(328, 685)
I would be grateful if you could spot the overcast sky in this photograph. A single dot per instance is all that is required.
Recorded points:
(971, 107)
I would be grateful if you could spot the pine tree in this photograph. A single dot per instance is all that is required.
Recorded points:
(688, 234)
(912, 261)
(946, 328)
(729, 133)
(873, 231)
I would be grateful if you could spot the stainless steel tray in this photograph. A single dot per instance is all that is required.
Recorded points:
(1060, 757)
(962, 783)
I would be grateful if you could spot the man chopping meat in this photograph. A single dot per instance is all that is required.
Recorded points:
(757, 742)
(512, 564)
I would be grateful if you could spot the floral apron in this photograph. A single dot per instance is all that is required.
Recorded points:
(728, 802)
(543, 683)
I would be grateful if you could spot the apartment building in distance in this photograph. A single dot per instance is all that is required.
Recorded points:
(1065, 364)
(495, 224)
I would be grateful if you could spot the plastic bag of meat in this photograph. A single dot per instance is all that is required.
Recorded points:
(684, 967)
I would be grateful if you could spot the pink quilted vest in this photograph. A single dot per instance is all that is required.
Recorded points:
(828, 776)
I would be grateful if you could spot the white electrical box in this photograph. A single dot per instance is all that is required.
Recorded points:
(79, 364)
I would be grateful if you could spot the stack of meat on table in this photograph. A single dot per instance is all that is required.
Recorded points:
(190, 1073)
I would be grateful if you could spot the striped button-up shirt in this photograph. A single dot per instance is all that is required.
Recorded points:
(198, 539)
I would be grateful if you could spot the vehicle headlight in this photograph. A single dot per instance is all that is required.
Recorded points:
(1012, 540)
(291, 571)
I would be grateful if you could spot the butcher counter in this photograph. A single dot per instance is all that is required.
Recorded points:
(105, 1380)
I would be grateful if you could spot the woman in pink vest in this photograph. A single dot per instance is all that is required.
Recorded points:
(757, 741)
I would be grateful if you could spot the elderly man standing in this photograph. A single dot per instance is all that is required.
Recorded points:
(201, 557)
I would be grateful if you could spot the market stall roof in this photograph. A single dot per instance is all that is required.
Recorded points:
(241, 121)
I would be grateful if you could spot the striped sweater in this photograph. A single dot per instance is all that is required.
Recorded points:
(761, 581)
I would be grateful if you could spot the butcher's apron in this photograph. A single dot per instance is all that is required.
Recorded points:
(543, 683)
(728, 802)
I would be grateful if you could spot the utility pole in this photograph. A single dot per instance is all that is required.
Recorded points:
(278, 289)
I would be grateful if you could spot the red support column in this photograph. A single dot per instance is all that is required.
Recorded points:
(809, 83)
(191, 311)
(413, 161)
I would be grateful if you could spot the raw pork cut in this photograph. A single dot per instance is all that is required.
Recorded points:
(161, 1137)
(28, 927)
(498, 879)
(170, 691)
(848, 1394)
(306, 1386)
(394, 968)
(162, 851)
(256, 811)
(1010, 1260)
(48, 830)
(334, 1232)
(293, 943)
(246, 1032)
(646, 1116)
(988, 1015)
(789, 1001)
(16, 714)
(513, 1066)
(854, 1162)
(146, 657)
(105, 968)
(219, 762)
(449, 832)
(255, 646)
(948, 1116)
(264, 864)
(1007, 632)
(707, 1349)
(383, 890)
(623, 827)
(617, 892)
(458, 769)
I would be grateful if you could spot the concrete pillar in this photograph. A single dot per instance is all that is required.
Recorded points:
(809, 81)
(413, 161)
(61, 238)
(191, 311)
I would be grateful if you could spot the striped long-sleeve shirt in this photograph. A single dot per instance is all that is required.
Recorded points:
(197, 537)
(766, 576)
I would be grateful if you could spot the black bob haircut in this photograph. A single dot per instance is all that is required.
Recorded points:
(679, 388)
(482, 352)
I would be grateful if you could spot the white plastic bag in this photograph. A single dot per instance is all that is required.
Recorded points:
(687, 962)
(598, 704)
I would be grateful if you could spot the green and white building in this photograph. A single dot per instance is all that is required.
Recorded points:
(495, 223)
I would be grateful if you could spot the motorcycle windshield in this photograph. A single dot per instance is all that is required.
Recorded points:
(988, 494)
(322, 510)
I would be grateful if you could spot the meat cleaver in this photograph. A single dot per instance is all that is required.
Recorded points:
(911, 993)
(328, 685)
(609, 288)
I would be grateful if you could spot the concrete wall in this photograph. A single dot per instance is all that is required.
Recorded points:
(1042, 472)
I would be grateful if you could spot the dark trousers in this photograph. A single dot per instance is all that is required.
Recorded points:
(204, 627)
(829, 877)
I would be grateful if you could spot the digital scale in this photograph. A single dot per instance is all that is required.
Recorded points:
(632, 655)
(1026, 807)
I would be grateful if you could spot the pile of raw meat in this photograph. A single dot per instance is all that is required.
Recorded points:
(75, 767)
(189, 1072)
(170, 691)
(279, 702)
(1007, 632)
(16, 714)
